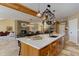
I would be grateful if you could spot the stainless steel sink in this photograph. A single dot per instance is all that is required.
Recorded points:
(54, 36)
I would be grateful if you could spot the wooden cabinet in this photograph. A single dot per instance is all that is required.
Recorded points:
(56, 47)
(27, 50)
(52, 49)
(23, 49)
(45, 51)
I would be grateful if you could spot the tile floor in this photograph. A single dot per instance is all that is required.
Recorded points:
(71, 49)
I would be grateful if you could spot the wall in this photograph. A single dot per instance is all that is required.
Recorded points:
(75, 16)
(5, 23)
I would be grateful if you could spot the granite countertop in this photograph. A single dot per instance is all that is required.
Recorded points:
(38, 44)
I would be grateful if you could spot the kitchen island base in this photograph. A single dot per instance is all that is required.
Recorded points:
(52, 49)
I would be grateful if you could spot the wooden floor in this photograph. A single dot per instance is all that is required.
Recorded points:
(70, 49)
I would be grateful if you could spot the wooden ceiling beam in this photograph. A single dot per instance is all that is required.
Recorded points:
(19, 7)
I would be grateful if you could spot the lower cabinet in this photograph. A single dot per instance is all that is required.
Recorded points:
(27, 50)
(56, 47)
(52, 49)
(45, 51)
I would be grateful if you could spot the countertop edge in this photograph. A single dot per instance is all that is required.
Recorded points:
(42, 46)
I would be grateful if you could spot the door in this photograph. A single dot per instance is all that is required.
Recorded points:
(73, 30)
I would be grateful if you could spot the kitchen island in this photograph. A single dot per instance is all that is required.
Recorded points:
(42, 46)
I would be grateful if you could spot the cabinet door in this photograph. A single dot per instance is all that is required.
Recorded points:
(27, 50)
(24, 49)
(55, 47)
(45, 51)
